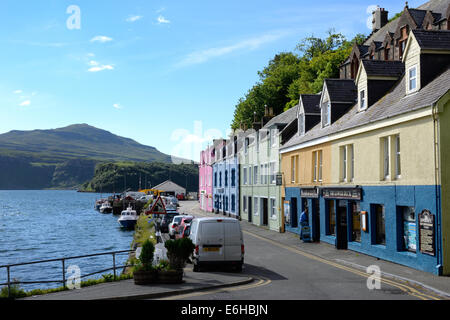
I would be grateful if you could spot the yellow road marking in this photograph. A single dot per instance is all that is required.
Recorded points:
(261, 282)
(407, 289)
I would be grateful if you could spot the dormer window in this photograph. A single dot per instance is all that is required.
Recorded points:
(412, 79)
(362, 100)
(326, 114)
(301, 124)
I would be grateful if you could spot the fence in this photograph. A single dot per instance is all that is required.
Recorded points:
(63, 264)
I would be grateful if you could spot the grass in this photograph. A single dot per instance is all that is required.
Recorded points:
(17, 292)
(144, 231)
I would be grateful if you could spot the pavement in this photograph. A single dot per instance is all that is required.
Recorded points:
(439, 285)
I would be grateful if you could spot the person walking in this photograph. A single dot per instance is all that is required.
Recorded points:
(304, 224)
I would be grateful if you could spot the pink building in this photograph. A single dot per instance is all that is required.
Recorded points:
(205, 179)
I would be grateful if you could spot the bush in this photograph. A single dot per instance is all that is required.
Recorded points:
(179, 251)
(164, 265)
(148, 250)
(15, 292)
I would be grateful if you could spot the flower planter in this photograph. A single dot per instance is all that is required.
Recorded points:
(170, 276)
(143, 277)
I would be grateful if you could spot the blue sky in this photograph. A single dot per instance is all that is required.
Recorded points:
(164, 73)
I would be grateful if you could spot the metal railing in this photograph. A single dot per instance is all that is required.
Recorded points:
(8, 267)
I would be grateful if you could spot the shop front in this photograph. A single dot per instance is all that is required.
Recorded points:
(310, 201)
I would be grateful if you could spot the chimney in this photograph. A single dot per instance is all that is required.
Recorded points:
(256, 125)
(380, 19)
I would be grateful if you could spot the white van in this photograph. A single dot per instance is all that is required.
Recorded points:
(217, 241)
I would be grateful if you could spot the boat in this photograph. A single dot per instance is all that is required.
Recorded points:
(106, 207)
(128, 218)
(98, 204)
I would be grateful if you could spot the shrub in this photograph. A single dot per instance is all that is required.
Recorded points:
(179, 251)
(148, 250)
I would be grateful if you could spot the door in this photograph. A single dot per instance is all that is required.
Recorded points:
(211, 241)
(250, 209)
(315, 216)
(294, 214)
(233, 241)
(265, 211)
(341, 228)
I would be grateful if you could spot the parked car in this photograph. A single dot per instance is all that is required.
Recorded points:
(183, 231)
(175, 223)
(166, 220)
(217, 242)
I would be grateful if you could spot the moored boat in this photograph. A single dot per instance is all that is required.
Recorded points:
(128, 218)
(106, 207)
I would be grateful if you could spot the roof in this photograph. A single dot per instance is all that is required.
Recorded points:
(168, 186)
(418, 15)
(310, 102)
(283, 118)
(437, 6)
(383, 68)
(341, 90)
(433, 39)
(394, 103)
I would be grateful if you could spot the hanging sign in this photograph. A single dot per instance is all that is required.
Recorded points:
(158, 207)
(426, 232)
(279, 179)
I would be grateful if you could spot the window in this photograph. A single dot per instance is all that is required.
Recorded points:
(352, 163)
(226, 203)
(226, 178)
(215, 179)
(244, 203)
(245, 176)
(233, 203)
(317, 166)
(250, 175)
(412, 79)
(272, 173)
(380, 221)
(294, 166)
(261, 173)
(301, 121)
(326, 114)
(356, 221)
(255, 206)
(331, 215)
(233, 177)
(255, 175)
(408, 222)
(386, 157)
(320, 164)
(220, 179)
(266, 173)
(344, 163)
(362, 100)
(246, 144)
(347, 163)
(398, 168)
(273, 208)
(272, 139)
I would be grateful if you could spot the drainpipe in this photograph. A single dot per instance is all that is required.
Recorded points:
(437, 183)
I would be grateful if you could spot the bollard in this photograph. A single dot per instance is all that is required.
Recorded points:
(64, 272)
(114, 265)
(9, 282)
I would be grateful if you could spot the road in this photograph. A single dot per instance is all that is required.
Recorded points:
(283, 272)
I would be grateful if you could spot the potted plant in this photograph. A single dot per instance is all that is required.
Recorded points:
(178, 252)
(144, 272)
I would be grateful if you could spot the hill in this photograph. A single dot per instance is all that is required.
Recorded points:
(64, 157)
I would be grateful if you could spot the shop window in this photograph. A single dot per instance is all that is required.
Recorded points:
(380, 224)
(408, 218)
(356, 221)
(331, 217)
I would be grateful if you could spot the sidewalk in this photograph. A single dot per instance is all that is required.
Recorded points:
(127, 290)
(356, 260)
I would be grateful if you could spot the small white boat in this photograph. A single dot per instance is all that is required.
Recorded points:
(128, 218)
(106, 207)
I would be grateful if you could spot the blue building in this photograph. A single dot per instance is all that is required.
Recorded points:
(226, 177)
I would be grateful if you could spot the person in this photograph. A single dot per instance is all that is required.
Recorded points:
(304, 222)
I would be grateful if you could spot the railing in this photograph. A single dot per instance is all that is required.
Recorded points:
(63, 264)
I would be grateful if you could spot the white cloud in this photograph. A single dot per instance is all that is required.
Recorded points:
(249, 44)
(26, 103)
(161, 19)
(101, 39)
(101, 68)
(134, 18)
(117, 106)
(17, 92)
(91, 55)
(93, 63)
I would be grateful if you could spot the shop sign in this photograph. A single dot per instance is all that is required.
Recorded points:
(342, 193)
(279, 179)
(426, 232)
(309, 192)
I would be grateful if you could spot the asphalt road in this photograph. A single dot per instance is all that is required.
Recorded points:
(285, 273)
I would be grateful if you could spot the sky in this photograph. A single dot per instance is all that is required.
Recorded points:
(167, 74)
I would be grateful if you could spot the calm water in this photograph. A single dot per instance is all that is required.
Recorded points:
(41, 225)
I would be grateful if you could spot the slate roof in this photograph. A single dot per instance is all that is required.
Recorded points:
(283, 118)
(433, 39)
(341, 90)
(418, 15)
(311, 103)
(396, 102)
(437, 6)
(383, 68)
